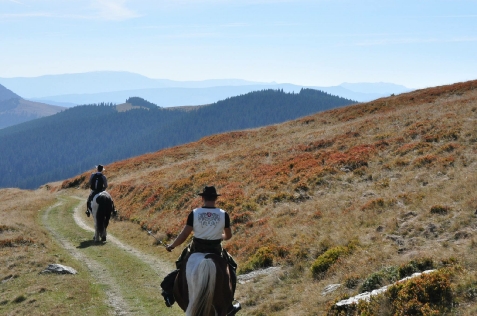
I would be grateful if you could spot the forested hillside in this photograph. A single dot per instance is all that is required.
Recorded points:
(73, 141)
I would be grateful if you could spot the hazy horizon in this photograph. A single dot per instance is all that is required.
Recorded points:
(416, 44)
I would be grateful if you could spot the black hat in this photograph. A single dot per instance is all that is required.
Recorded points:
(100, 168)
(209, 192)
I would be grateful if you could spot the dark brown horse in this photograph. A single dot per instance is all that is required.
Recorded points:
(203, 287)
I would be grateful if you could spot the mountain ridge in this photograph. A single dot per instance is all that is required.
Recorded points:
(63, 144)
(102, 86)
(177, 96)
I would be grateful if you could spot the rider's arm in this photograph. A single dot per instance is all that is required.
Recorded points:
(227, 234)
(227, 230)
(181, 238)
(105, 180)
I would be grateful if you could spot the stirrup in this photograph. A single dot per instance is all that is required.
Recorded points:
(235, 308)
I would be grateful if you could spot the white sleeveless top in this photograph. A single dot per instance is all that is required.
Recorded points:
(209, 223)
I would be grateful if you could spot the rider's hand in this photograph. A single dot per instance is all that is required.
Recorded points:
(169, 248)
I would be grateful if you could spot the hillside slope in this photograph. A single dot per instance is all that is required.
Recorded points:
(354, 196)
(6, 94)
(15, 110)
(70, 142)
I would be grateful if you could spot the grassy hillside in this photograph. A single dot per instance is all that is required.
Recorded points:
(378, 185)
(358, 196)
(63, 145)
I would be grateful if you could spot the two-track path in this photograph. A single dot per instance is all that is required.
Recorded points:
(104, 269)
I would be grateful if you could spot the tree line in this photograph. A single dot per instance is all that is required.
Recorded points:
(75, 140)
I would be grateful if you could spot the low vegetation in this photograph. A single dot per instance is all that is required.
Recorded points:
(359, 196)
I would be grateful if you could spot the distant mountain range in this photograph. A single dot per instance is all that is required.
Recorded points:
(108, 86)
(15, 110)
(73, 141)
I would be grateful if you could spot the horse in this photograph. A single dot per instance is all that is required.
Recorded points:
(204, 287)
(102, 206)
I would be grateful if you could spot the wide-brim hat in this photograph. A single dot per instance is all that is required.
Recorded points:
(209, 191)
(100, 167)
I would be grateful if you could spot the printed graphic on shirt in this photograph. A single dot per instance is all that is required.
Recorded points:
(209, 219)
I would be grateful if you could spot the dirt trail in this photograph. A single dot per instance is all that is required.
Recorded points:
(116, 300)
(99, 272)
(153, 262)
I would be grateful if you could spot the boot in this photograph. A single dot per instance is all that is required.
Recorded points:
(168, 298)
(167, 286)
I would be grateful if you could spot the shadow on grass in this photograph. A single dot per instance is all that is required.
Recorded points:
(89, 243)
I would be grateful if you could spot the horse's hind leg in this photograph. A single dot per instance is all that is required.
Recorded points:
(96, 231)
(103, 234)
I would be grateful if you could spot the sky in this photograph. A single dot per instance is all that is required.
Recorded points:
(415, 43)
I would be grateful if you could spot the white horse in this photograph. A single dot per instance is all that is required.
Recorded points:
(102, 207)
(204, 288)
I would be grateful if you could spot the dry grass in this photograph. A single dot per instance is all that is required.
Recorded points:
(27, 249)
(372, 175)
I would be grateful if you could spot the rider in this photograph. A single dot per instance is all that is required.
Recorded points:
(210, 225)
(98, 183)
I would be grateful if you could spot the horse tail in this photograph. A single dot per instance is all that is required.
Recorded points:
(205, 280)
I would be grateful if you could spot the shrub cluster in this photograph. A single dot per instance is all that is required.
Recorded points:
(15, 242)
(389, 275)
(327, 259)
(263, 258)
(414, 266)
(439, 209)
(427, 295)
(378, 279)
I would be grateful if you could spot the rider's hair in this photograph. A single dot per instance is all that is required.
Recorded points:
(210, 198)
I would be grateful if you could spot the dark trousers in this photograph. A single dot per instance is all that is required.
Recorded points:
(90, 199)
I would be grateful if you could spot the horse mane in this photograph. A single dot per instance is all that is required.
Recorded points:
(202, 305)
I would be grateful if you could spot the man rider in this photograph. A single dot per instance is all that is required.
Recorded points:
(208, 236)
(103, 184)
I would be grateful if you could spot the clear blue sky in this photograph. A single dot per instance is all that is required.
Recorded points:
(415, 43)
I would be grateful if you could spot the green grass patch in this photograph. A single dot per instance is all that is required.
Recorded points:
(139, 284)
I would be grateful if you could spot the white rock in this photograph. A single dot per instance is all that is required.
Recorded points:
(367, 295)
(59, 269)
(330, 288)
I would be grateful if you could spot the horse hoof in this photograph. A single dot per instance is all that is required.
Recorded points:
(103, 238)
